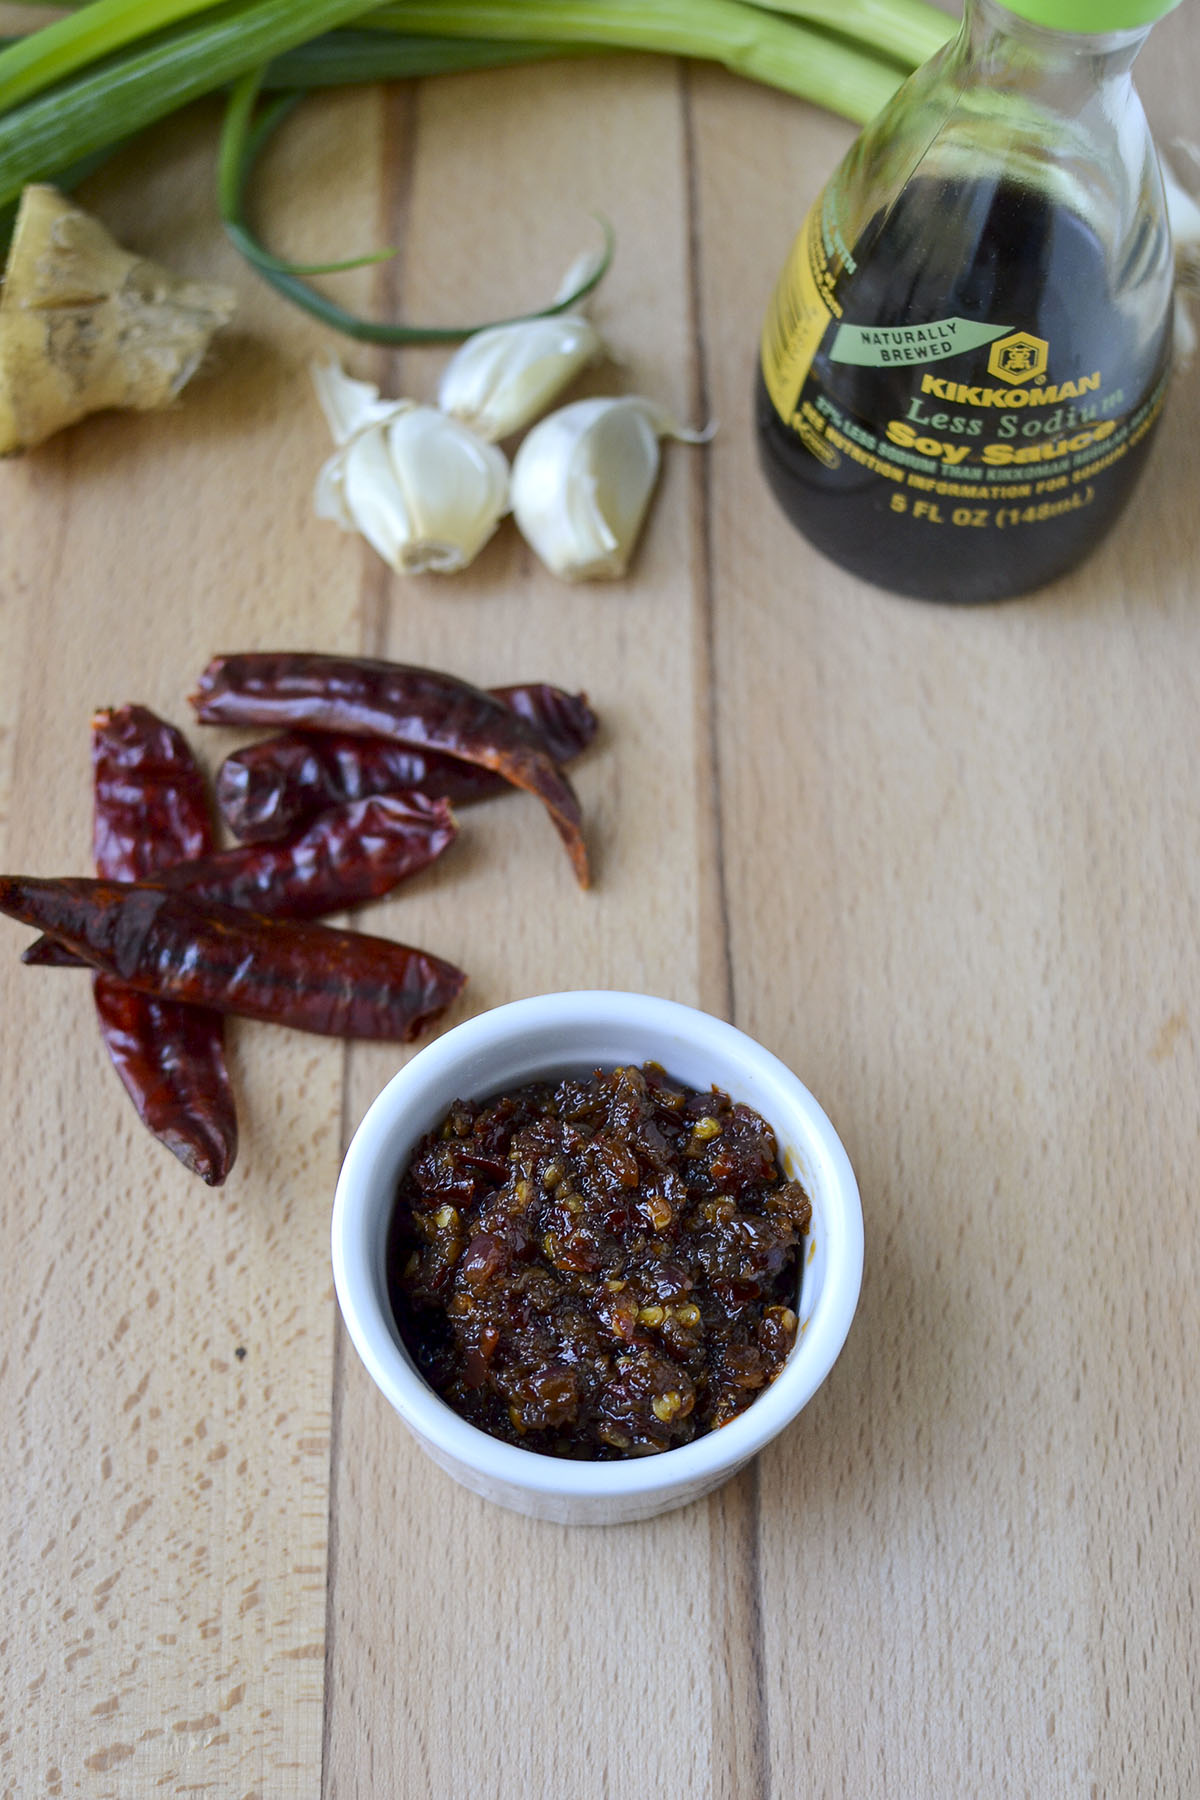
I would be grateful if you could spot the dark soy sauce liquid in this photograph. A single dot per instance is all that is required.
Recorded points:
(988, 251)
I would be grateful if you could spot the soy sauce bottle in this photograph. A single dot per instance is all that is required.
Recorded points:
(967, 350)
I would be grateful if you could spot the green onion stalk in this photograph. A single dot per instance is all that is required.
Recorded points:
(73, 91)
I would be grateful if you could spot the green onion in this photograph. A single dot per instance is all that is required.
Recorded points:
(745, 39)
(906, 29)
(123, 93)
(72, 91)
(347, 58)
(68, 44)
(241, 143)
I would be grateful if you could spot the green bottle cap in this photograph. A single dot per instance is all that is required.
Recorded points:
(1091, 18)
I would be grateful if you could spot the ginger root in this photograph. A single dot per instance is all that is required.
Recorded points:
(84, 325)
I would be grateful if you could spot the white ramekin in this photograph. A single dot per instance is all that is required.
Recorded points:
(574, 1033)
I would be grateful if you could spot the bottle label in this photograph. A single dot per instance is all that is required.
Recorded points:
(899, 346)
(801, 308)
(997, 420)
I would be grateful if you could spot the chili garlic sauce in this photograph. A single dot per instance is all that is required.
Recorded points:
(601, 1267)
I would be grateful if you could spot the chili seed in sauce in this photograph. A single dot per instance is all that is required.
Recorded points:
(598, 1267)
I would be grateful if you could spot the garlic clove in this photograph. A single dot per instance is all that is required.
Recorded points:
(375, 500)
(350, 406)
(329, 500)
(505, 376)
(425, 492)
(582, 482)
(584, 272)
(457, 487)
(1183, 216)
(358, 492)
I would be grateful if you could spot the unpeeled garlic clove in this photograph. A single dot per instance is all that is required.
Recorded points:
(1183, 215)
(349, 405)
(424, 491)
(507, 375)
(582, 481)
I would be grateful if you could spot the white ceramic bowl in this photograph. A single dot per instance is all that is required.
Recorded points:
(574, 1033)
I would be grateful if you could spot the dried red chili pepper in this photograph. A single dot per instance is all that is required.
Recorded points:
(564, 722)
(172, 1062)
(420, 707)
(44, 953)
(151, 809)
(284, 971)
(150, 796)
(267, 790)
(348, 855)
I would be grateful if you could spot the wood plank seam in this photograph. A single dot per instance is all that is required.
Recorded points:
(745, 1768)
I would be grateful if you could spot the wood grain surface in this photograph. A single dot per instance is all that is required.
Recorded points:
(943, 862)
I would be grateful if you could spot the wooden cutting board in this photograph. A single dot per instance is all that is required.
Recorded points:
(944, 863)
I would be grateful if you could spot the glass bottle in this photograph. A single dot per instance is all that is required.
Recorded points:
(968, 348)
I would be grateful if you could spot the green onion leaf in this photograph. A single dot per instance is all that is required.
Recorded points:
(74, 90)
(242, 142)
(348, 58)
